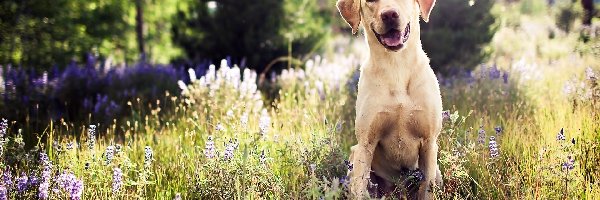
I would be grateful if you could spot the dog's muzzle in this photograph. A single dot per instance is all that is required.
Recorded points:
(393, 39)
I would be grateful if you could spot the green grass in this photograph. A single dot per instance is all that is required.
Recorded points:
(294, 147)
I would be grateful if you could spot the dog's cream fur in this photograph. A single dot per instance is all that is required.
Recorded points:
(398, 108)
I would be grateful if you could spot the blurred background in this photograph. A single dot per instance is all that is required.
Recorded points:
(82, 61)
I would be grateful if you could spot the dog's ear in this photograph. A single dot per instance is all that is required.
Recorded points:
(350, 11)
(426, 6)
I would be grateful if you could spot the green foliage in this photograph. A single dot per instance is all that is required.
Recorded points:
(568, 12)
(42, 33)
(532, 7)
(257, 31)
(456, 34)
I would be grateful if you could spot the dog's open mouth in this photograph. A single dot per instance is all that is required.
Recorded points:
(394, 39)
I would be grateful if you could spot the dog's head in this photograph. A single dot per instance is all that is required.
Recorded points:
(388, 20)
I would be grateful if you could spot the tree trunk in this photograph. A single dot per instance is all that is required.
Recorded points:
(588, 8)
(139, 28)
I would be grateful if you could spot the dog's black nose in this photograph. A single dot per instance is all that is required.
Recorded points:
(389, 17)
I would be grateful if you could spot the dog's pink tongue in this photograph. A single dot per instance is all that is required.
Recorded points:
(392, 39)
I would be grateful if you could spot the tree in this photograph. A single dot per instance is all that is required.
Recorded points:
(457, 33)
(257, 31)
(43, 33)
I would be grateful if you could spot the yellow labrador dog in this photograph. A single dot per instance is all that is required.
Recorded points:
(399, 106)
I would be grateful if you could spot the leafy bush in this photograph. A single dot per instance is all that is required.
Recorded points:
(257, 32)
(452, 40)
(568, 12)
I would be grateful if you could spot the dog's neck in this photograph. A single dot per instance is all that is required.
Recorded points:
(397, 65)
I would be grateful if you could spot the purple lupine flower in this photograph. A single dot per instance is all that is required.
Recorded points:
(498, 129)
(493, 147)
(494, 73)
(70, 146)
(46, 173)
(3, 193)
(505, 77)
(109, 153)
(349, 165)
(3, 127)
(7, 179)
(117, 148)
(22, 183)
(445, 115)
(338, 127)
(244, 120)
(589, 74)
(69, 183)
(561, 135)
(148, 156)
(219, 127)
(569, 164)
(117, 180)
(92, 136)
(209, 149)
(264, 122)
(481, 136)
(345, 181)
(229, 148)
(76, 190)
(417, 175)
(263, 157)
(312, 167)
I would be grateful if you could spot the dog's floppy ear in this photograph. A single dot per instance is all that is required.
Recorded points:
(350, 10)
(426, 6)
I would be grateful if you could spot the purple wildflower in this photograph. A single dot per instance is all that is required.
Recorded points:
(148, 156)
(561, 135)
(229, 148)
(312, 168)
(22, 183)
(264, 122)
(70, 146)
(244, 120)
(46, 173)
(3, 193)
(498, 129)
(569, 164)
(3, 127)
(345, 181)
(209, 149)
(263, 157)
(505, 77)
(117, 180)
(445, 115)
(338, 127)
(7, 179)
(69, 183)
(219, 127)
(92, 136)
(109, 153)
(589, 74)
(349, 165)
(481, 136)
(493, 147)
(494, 73)
(177, 196)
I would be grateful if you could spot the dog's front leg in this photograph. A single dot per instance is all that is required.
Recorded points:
(368, 131)
(428, 165)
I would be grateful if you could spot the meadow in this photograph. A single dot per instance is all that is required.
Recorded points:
(524, 125)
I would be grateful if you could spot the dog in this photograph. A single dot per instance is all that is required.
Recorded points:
(399, 105)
